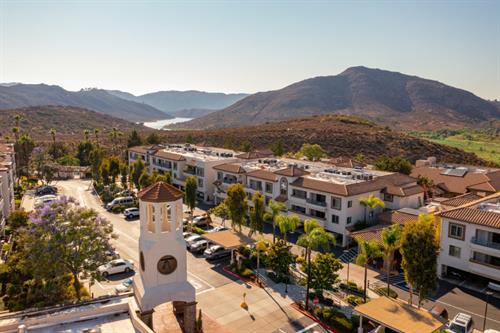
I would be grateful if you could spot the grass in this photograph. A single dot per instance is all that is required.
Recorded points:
(485, 142)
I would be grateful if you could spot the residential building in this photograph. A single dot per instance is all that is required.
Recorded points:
(184, 160)
(7, 180)
(452, 180)
(470, 238)
(320, 190)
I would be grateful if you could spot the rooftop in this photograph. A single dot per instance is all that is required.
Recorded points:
(160, 192)
(484, 211)
(200, 153)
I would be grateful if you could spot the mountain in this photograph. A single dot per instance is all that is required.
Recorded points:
(390, 98)
(68, 121)
(339, 135)
(175, 101)
(192, 113)
(24, 95)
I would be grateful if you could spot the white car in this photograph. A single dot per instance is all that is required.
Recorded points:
(462, 323)
(49, 198)
(131, 213)
(192, 239)
(216, 252)
(124, 287)
(199, 246)
(116, 266)
(186, 235)
(217, 229)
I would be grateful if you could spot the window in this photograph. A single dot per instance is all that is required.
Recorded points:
(269, 187)
(175, 165)
(349, 204)
(336, 203)
(298, 209)
(200, 172)
(318, 214)
(151, 218)
(454, 251)
(284, 186)
(166, 217)
(349, 220)
(220, 175)
(388, 197)
(200, 182)
(456, 231)
(299, 194)
(335, 219)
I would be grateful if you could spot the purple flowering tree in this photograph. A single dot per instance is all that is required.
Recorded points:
(66, 237)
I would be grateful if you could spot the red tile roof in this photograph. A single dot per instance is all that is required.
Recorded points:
(291, 171)
(471, 213)
(460, 200)
(230, 167)
(169, 156)
(263, 174)
(160, 192)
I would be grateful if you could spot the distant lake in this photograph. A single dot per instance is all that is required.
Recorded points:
(159, 124)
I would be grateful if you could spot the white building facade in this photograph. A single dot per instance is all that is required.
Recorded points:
(7, 180)
(470, 239)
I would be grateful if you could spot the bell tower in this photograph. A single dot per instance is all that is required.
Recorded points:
(162, 252)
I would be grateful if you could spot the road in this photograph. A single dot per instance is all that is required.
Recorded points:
(218, 294)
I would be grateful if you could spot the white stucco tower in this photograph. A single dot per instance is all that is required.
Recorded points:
(162, 252)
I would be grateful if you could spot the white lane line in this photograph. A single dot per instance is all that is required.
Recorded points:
(307, 328)
(200, 279)
(467, 311)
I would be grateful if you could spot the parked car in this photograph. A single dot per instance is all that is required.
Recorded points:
(44, 190)
(115, 266)
(462, 323)
(186, 234)
(49, 198)
(124, 287)
(112, 254)
(439, 311)
(216, 252)
(131, 213)
(217, 229)
(192, 239)
(124, 201)
(186, 220)
(200, 220)
(199, 246)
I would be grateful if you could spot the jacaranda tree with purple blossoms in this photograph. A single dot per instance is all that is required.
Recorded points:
(69, 238)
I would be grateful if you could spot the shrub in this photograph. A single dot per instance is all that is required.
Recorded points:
(118, 209)
(198, 230)
(383, 291)
(246, 272)
(318, 312)
(328, 313)
(354, 300)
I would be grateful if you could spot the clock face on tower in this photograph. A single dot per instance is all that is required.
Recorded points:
(167, 264)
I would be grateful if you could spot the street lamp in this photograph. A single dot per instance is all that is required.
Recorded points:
(346, 251)
(488, 294)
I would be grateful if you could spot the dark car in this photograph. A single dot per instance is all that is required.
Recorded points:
(45, 190)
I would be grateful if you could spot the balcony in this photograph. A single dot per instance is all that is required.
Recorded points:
(481, 242)
(316, 202)
(190, 171)
(255, 187)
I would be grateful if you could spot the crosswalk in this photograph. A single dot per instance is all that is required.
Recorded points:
(349, 256)
(396, 280)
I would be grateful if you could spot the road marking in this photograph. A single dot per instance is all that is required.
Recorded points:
(307, 328)
(467, 311)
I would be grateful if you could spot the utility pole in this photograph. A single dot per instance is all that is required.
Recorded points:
(488, 294)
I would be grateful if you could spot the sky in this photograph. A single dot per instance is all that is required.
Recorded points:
(245, 46)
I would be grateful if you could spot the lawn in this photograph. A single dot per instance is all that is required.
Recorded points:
(487, 150)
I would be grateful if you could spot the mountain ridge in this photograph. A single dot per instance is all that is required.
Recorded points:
(390, 98)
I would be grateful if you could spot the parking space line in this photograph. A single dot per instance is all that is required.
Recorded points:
(307, 328)
(467, 311)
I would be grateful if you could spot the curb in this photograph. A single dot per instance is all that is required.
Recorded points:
(244, 279)
(310, 316)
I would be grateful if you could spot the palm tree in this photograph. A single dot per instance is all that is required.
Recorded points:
(287, 223)
(114, 134)
(15, 131)
(96, 133)
(371, 202)
(52, 133)
(18, 119)
(367, 252)
(427, 184)
(86, 133)
(275, 209)
(315, 237)
(390, 242)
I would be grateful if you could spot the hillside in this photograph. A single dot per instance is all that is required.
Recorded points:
(389, 98)
(175, 101)
(69, 122)
(338, 135)
(25, 95)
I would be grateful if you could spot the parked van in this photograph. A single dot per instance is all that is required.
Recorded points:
(124, 201)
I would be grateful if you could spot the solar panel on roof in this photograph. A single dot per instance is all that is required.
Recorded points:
(455, 172)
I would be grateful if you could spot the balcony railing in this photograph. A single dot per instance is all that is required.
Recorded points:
(255, 188)
(484, 263)
(298, 197)
(481, 242)
(189, 171)
(315, 202)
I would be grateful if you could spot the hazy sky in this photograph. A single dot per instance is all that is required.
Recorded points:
(245, 46)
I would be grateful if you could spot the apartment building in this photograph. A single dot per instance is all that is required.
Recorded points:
(7, 179)
(184, 160)
(470, 237)
(326, 192)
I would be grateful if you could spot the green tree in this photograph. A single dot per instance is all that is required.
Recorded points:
(420, 250)
(86, 134)
(314, 238)
(360, 157)
(114, 167)
(323, 271)
(52, 133)
(279, 259)
(16, 131)
(394, 164)
(257, 214)
(190, 139)
(68, 160)
(190, 196)
(71, 238)
(236, 202)
(221, 211)
(17, 219)
(96, 134)
(275, 209)
(96, 156)
(23, 148)
(390, 242)
(427, 184)
(153, 139)
(144, 180)
(123, 174)
(368, 251)
(371, 202)
(287, 223)
(277, 148)
(84, 151)
(134, 139)
(136, 171)
(104, 171)
(313, 152)
(246, 146)
(114, 135)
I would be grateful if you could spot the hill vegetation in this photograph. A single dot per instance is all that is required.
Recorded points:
(389, 98)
